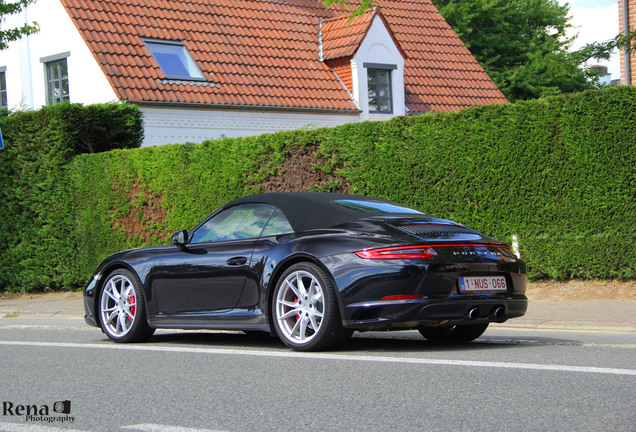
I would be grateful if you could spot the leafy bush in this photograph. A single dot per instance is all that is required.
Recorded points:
(38, 211)
(557, 173)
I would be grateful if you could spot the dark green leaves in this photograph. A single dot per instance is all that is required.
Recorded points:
(522, 45)
(556, 172)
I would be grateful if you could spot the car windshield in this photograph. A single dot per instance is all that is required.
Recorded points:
(375, 207)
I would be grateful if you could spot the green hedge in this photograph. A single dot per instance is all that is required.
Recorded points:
(38, 209)
(558, 173)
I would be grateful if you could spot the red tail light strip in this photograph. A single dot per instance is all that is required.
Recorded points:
(398, 252)
(418, 251)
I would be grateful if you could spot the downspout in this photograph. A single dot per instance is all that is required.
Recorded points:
(626, 50)
(26, 68)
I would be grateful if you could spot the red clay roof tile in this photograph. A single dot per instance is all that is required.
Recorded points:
(265, 52)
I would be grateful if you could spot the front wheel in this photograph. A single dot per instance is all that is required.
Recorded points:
(122, 309)
(305, 309)
(453, 334)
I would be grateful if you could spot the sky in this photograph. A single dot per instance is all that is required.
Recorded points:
(595, 21)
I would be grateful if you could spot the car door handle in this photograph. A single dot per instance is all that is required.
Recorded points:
(236, 261)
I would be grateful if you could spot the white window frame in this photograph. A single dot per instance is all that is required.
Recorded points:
(62, 80)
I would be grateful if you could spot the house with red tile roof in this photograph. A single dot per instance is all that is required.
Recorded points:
(204, 69)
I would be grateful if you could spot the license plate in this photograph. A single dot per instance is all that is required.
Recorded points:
(482, 284)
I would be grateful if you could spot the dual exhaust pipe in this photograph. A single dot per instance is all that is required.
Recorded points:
(497, 313)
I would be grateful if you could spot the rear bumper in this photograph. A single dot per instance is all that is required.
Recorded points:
(455, 309)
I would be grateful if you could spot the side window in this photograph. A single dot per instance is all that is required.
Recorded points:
(57, 82)
(277, 224)
(239, 222)
(379, 85)
(3, 89)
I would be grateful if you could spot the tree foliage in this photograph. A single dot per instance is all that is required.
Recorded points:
(12, 34)
(523, 46)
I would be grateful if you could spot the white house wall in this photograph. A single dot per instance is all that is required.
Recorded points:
(378, 47)
(25, 73)
(171, 125)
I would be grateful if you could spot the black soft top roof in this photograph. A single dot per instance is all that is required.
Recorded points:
(314, 210)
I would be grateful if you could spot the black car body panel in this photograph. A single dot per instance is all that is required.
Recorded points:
(228, 284)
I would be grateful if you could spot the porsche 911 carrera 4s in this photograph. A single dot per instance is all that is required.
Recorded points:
(311, 268)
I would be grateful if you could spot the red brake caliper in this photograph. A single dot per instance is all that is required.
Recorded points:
(297, 301)
(134, 305)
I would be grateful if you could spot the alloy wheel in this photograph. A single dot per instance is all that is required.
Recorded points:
(118, 306)
(300, 307)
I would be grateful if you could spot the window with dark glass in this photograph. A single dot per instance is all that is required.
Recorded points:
(174, 59)
(243, 221)
(3, 90)
(57, 81)
(277, 225)
(380, 97)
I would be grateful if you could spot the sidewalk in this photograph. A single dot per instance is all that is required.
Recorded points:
(592, 315)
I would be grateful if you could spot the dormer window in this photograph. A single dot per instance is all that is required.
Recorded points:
(174, 60)
(367, 59)
(379, 86)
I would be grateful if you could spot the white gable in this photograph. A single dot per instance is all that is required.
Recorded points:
(378, 49)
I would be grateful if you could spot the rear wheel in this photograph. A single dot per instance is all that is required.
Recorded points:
(305, 309)
(453, 334)
(122, 309)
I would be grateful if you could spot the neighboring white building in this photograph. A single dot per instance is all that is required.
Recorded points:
(205, 70)
(31, 65)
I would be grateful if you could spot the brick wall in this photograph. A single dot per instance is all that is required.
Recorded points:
(631, 16)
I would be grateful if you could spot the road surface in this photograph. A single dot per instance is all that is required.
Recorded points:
(509, 379)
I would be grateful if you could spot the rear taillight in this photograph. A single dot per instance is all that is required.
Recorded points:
(428, 251)
(398, 252)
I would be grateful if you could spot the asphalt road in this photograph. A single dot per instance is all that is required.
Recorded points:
(510, 379)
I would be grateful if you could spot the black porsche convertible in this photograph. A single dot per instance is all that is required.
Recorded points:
(311, 268)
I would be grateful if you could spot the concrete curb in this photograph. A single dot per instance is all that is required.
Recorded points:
(582, 326)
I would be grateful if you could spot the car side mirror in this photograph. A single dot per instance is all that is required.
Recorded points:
(180, 238)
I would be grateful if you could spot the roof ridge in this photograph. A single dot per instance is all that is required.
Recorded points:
(351, 17)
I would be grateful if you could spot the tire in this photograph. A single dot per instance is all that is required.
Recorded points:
(305, 309)
(122, 309)
(453, 334)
